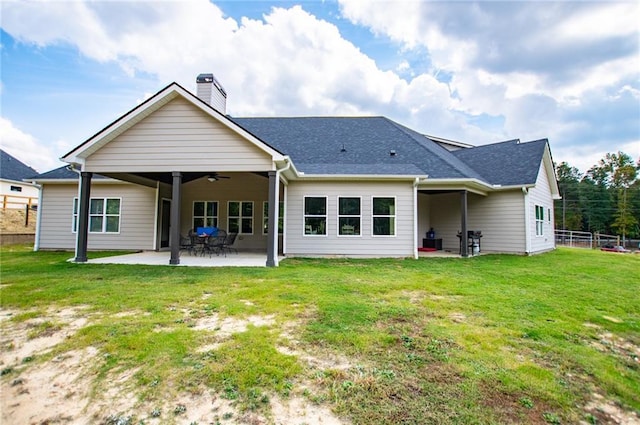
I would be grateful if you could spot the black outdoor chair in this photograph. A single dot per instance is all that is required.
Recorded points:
(228, 243)
(215, 244)
(188, 243)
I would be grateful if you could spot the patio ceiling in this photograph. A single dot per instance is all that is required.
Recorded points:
(149, 178)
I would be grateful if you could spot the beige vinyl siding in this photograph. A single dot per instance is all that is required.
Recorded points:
(541, 195)
(137, 210)
(239, 187)
(424, 218)
(445, 219)
(365, 245)
(179, 137)
(499, 216)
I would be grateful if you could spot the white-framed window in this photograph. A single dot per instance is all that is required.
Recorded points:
(539, 220)
(265, 217)
(383, 216)
(205, 214)
(240, 217)
(104, 215)
(315, 215)
(349, 215)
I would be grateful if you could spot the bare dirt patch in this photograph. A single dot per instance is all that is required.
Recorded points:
(51, 392)
(18, 343)
(230, 325)
(13, 220)
(610, 343)
(458, 317)
(68, 390)
(297, 410)
(608, 412)
(319, 359)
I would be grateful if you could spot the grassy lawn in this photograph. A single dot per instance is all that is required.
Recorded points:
(491, 339)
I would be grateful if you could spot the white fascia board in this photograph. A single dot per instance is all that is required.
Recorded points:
(498, 187)
(551, 175)
(472, 185)
(24, 182)
(449, 141)
(75, 181)
(359, 177)
(136, 115)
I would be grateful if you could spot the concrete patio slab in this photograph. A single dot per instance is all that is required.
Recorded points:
(162, 259)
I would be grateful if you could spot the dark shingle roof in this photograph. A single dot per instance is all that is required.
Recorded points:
(508, 163)
(331, 145)
(63, 173)
(13, 169)
(363, 146)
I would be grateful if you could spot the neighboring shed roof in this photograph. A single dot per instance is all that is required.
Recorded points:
(14, 169)
(508, 163)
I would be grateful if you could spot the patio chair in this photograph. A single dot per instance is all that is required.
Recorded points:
(228, 243)
(188, 243)
(215, 244)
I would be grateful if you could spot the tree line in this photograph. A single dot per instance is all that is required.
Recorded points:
(605, 199)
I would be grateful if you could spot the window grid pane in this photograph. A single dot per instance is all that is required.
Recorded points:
(315, 215)
(96, 206)
(384, 218)
(205, 214)
(95, 223)
(240, 217)
(348, 216)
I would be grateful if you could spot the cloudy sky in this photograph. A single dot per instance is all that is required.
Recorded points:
(477, 72)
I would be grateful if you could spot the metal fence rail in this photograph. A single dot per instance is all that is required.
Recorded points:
(574, 238)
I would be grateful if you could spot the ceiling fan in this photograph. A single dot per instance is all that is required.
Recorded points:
(214, 177)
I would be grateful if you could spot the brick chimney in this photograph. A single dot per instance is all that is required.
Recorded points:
(211, 91)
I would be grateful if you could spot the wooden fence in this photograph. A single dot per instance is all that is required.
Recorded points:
(18, 202)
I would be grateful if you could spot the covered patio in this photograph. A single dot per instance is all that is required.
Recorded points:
(161, 258)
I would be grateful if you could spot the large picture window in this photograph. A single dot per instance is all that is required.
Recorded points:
(315, 215)
(265, 217)
(384, 216)
(240, 217)
(349, 216)
(104, 215)
(539, 220)
(205, 214)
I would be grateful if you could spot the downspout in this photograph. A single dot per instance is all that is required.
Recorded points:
(36, 242)
(527, 223)
(277, 210)
(415, 217)
(155, 246)
(75, 170)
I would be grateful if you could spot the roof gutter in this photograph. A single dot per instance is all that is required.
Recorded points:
(327, 177)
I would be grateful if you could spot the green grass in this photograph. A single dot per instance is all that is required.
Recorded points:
(490, 339)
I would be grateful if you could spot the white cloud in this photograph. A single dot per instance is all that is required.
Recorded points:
(26, 148)
(520, 61)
